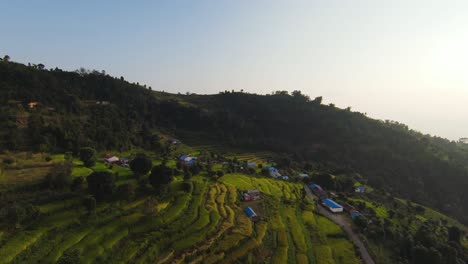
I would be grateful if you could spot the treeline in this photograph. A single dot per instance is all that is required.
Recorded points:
(90, 108)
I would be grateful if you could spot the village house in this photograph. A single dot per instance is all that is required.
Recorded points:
(111, 159)
(360, 189)
(317, 190)
(251, 195)
(273, 172)
(32, 105)
(251, 214)
(251, 164)
(188, 160)
(332, 205)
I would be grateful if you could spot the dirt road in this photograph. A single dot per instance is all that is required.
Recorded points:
(345, 222)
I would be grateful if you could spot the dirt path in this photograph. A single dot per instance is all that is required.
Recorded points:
(345, 223)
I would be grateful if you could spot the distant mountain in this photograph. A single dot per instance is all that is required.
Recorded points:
(63, 111)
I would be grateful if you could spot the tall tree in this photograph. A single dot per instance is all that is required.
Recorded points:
(141, 165)
(88, 156)
(101, 184)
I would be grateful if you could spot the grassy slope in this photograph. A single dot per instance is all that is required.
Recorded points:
(206, 225)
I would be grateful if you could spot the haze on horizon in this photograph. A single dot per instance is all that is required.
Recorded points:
(400, 60)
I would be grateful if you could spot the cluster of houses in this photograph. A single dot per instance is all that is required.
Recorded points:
(114, 160)
(351, 211)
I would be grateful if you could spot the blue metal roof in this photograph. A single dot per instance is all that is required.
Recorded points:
(250, 212)
(332, 204)
(355, 214)
(316, 186)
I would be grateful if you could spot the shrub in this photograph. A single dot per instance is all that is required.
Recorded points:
(101, 184)
(220, 173)
(187, 186)
(77, 183)
(161, 175)
(8, 160)
(90, 203)
(187, 175)
(48, 158)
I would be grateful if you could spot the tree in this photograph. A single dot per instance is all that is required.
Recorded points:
(90, 204)
(141, 165)
(318, 100)
(454, 234)
(325, 180)
(59, 176)
(41, 66)
(88, 156)
(6, 58)
(101, 184)
(161, 175)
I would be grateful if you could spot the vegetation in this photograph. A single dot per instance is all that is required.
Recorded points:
(60, 203)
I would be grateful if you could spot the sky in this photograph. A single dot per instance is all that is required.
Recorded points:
(399, 60)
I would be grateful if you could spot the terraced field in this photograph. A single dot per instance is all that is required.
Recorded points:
(205, 225)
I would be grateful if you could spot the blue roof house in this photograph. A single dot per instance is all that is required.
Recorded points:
(355, 214)
(360, 189)
(250, 212)
(273, 172)
(332, 205)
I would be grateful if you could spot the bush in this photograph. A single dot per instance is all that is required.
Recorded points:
(90, 203)
(220, 173)
(78, 183)
(161, 175)
(48, 158)
(187, 175)
(187, 186)
(8, 160)
(101, 184)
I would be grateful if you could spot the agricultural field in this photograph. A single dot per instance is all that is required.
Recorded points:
(205, 224)
(21, 168)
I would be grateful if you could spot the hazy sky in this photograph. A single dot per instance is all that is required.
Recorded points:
(400, 60)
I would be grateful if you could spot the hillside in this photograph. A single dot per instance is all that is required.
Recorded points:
(204, 223)
(93, 109)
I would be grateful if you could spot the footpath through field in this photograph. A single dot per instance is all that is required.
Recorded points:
(345, 223)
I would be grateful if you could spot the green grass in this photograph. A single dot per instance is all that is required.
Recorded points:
(265, 185)
(207, 225)
(81, 171)
(327, 227)
(380, 210)
(343, 251)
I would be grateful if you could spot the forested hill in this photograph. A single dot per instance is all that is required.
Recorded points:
(76, 109)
